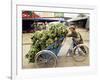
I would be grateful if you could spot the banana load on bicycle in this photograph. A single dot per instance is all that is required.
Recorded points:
(44, 38)
(47, 43)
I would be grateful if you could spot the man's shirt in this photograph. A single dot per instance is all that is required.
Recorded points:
(76, 37)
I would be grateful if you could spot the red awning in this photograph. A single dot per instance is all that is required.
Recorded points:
(29, 14)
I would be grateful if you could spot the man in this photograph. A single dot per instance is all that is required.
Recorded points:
(76, 38)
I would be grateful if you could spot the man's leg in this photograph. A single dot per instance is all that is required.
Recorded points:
(70, 50)
(83, 49)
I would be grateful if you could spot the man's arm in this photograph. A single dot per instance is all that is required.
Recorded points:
(69, 35)
(72, 35)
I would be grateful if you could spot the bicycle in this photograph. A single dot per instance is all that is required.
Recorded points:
(48, 57)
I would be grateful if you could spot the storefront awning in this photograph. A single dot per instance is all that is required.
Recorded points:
(77, 19)
(44, 19)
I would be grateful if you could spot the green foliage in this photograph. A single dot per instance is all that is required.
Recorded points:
(42, 39)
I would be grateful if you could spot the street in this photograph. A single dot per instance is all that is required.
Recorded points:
(62, 59)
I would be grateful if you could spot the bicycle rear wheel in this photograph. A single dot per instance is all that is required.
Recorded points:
(45, 58)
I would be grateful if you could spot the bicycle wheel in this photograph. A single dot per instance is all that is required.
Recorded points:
(45, 58)
(80, 52)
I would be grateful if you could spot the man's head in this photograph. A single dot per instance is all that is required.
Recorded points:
(72, 28)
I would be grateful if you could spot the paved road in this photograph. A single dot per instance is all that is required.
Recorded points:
(63, 61)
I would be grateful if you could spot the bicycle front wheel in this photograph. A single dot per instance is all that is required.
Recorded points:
(80, 52)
